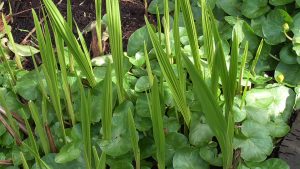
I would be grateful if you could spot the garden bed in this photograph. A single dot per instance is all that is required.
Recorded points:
(168, 102)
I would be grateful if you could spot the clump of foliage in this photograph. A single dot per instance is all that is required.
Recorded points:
(192, 94)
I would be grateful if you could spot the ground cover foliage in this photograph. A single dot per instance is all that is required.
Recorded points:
(213, 83)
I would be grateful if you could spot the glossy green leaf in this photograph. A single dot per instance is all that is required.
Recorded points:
(280, 2)
(287, 55)
(188, 158)
(49, 159)
(296, 31)
(27, 86)
(231, 7)
(68, 152)
(278, 129)
(210, 154)
(274, 101)
(274, 163)
(160, 5)
(254, 8)
(200, 134)
(142, 106)
(142, 84)
(272, 27)
(257, 145)
(174, 142)
(290, 73)
(138, 59)
(136, 41)
(246, 34)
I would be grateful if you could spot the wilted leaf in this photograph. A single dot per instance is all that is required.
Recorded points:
(22, 50)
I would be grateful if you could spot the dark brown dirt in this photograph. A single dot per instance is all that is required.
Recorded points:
(132, 16)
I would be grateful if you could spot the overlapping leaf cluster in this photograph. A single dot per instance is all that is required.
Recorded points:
(191, 95)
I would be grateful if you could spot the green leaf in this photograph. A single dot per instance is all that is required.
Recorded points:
(274, 163)
(231, 7)
(160, 5)
(210, 154)
(200, 134)
(290, 73)
(49, 159)
(272, 27)
(27, 86)
(254, 8)
(274, 102)
(138, 60)
(68, 152)
(101, 60)
(142, 84)
(245, 34)
(256, 25)
(287, 55)
(280, 2)
(297, 90)
(22, 50)
(239, 114)
(136, 41)
(174, 142)
(142, 106)
(257, 145)
(296, 31)
(278, 129)
(188, 158)
(171, 124)
(118, 144)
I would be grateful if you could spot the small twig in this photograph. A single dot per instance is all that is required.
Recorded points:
(10, 130)
(274, 57)
(27, 10)
(146, 7)
(18, 118)
(6, 162)
(24, 41)
(51, 140)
